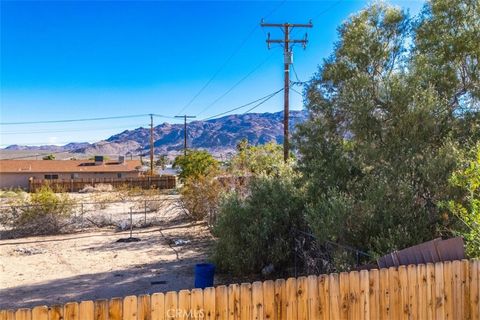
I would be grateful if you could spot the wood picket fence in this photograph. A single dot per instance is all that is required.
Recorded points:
(448, 290)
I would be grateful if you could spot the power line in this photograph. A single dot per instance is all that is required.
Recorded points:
(259, 104)
(244, 105)
(235, 85)
(69, 130)
(227, 61)
(82, 119)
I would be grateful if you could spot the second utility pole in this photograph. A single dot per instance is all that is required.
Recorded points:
(151, 145)
(287, 54)
(185, 132)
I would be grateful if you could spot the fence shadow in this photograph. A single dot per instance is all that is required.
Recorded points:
(140, 279)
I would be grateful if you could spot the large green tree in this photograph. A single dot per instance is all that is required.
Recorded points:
(389, 110)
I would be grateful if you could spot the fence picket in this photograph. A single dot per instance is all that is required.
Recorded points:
(354, 295)
(412, 292)
(364, 298)
(171, 305)
(115, 309)
(313, 301)
(344, 295)
(55, 313)
(221, 303)
(257, 300)
(291, 296)
(280, 299)
(86, 310)
(157, 302)
(101, 309)
(269, 300)
(384, 295)
(474, 289)
(70, 311)
(130, 308)
(334, 287)
(245, 301)
(143, 307)
(439, 292)
(374, 292)
(323, 298)
(209, 303)
(302, 298)
(38, 313)
(196, 304)
(457, 290)
(184, 308)
(234, 302)
(404, 306)
(448, 289)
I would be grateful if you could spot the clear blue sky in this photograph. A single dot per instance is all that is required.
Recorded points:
(83, 59)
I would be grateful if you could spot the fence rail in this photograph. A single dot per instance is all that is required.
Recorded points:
(448, 290)
(75, 185)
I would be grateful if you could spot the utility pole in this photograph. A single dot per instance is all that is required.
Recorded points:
(288, 60)
(185, 131)
(151, 145)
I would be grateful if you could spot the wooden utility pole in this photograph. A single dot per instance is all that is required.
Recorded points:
(287, 54)
(151, 145)
(185, 131)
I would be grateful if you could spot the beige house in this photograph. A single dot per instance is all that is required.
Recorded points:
(17, 173)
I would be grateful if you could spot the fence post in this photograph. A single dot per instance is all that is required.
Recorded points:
(145, 212)
(131, 222)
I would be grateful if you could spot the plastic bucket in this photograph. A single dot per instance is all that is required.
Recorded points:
(204, 273)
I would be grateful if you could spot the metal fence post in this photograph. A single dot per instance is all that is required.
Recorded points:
(145, 212)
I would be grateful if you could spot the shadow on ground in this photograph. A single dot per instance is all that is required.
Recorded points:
(140, 279)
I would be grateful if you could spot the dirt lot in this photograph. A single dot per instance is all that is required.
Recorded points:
(92, 265)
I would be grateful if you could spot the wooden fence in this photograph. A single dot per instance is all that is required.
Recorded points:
(75, 185)
(448, 290)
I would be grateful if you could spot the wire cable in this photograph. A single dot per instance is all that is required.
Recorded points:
(227, 61)
(80, 120)
(260, 103)
(235, 85)
(244, 105)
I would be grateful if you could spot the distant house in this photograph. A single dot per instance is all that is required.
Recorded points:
(17, 173)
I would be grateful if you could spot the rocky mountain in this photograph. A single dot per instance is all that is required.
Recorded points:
(215, 135)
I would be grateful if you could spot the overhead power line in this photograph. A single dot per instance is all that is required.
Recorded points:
(235, 85)
(83, 119)
(267, 97)
(227, 61)
(260, 103)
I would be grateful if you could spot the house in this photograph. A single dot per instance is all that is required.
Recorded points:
(17, 173)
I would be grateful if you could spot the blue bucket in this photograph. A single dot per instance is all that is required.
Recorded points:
(204, 273)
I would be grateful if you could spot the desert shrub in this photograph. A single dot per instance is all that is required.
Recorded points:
(44, 213)
(259, 230)
(102, 187)
(201, 197)
(467, 207)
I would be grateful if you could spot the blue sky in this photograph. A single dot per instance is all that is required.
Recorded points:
(84, 59)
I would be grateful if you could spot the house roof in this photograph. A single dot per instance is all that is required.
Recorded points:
(74, 166)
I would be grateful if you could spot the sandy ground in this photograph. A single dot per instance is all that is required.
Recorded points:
(92, 265)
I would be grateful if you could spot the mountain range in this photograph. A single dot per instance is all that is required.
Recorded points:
(215, 135)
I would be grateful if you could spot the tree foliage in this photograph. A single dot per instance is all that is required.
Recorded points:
(195, 163)
(264, 159)
(384, 132)
(467, 208)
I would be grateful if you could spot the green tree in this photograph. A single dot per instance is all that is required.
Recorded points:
(383, 134)
(264, 159)
(162, 162)
(467, 208)
(195, 163)
(49, 157)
